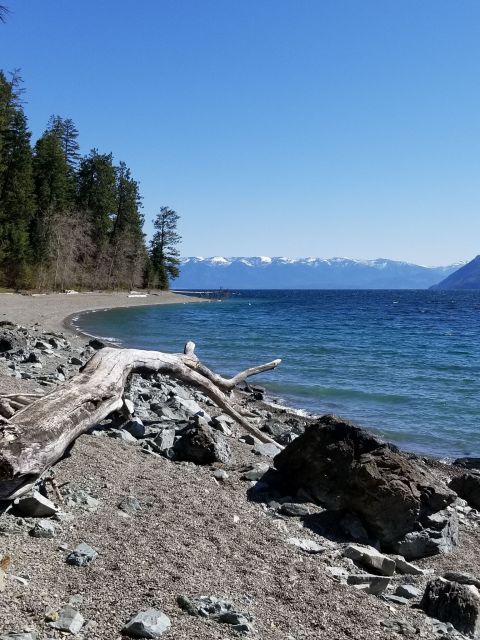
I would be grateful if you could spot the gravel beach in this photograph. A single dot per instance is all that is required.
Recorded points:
(53, 310)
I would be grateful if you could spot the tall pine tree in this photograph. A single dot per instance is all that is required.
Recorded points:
(16, 185)
(164, 257)
(97, 193)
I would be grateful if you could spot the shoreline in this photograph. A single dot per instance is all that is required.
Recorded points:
(55, 311)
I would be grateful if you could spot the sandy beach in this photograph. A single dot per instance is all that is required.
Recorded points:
(52, 311)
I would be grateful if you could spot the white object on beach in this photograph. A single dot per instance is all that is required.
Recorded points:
(137, 295)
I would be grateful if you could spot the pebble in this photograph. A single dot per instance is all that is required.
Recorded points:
(129, 505)
(220, 474)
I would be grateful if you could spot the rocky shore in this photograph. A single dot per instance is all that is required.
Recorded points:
(167, 521)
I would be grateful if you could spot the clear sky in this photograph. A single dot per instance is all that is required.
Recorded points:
(274, 127)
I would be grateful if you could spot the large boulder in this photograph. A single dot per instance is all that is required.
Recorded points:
(345, 468)
(467, 486)
(453, 602)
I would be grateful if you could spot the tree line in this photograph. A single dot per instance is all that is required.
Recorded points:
(69, 221)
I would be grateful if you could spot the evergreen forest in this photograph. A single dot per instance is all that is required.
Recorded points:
(69, 221)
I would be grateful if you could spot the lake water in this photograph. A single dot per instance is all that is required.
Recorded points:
(405, 364)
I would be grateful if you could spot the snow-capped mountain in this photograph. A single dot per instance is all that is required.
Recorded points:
(263, 272)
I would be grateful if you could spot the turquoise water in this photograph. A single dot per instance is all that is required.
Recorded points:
(403, 363)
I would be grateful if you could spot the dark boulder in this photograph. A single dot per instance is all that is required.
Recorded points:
(468, 487)
(453, 602)
(202, 445)
(344, 467)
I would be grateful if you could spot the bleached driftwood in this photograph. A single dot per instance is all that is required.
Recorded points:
(37, 433)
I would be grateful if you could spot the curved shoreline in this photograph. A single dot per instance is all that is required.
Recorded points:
(56, 311)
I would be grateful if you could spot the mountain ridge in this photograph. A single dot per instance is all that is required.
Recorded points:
(279, 272)
(467, 277)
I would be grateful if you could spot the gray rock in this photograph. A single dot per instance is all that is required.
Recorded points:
(294, 509)
(248, 439)
(69, 620)
(267, 449)
(394, 599)
(129, 406)
(76, 361)
(462, 578)
(256, 471)
(122, 434)
(440, 537)
(407, 568)
(82, 555)
(220, 424)
(165, 439)
(369, 583)
(135, 427)
(467, 486)
(189, 407)
(151, 623)
(44, 529)
(452, 602)
(370, 558)
(202, 445)
(81, 499)
(35, 506)
(220, 474)
(18, 635)
(409, 591)
(217, 609)
(310, 546)
(129, 505)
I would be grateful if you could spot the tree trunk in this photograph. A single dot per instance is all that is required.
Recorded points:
(37, 435)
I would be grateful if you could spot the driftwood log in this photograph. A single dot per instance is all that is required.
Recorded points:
(36, 431)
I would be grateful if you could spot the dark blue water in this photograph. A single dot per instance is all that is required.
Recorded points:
(404, 363)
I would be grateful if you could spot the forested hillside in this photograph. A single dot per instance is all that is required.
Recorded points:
(68, 221)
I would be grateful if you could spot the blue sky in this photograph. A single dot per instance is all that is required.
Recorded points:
(274, 127)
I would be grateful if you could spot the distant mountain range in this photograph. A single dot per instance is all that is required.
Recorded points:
(467, 277)
(306, 273)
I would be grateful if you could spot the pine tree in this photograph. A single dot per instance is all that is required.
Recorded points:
(67, 133)
(97, 194)
(127, 244)
(16, 185)
(54, 192)
(164, 257)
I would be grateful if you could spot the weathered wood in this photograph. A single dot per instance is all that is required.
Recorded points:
(37, 435)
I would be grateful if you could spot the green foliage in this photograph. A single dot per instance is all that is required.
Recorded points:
(97, 193)
(164, 257)
(16, 185)
(67, 133)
